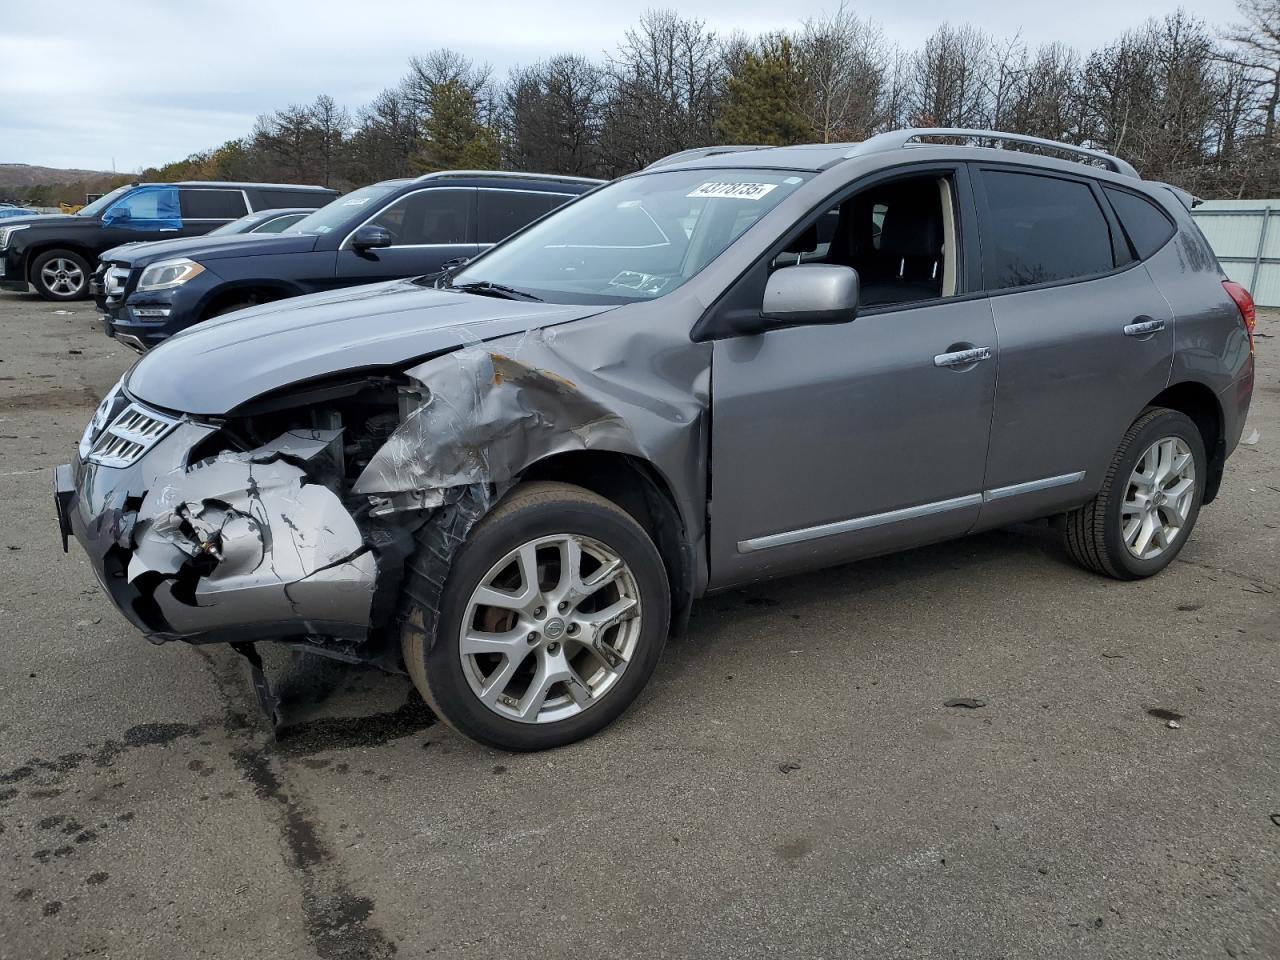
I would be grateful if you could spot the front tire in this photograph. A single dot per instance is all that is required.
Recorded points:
(61, 276)
(552, 616)
(1149, 501)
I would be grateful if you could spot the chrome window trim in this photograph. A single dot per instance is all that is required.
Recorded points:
(344, 245)
(789, 537)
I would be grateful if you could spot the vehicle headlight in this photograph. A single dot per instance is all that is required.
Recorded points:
(7, 232)
(169, 273)
(106, 410)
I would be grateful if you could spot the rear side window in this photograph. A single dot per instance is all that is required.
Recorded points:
(1145, 224)
(212, 204)
(436, 216)
(503, 212)
(1044, 229)
(266, 198)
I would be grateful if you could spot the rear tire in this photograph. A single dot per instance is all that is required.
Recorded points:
(581, 595)
(1149, 501)
(61, 276)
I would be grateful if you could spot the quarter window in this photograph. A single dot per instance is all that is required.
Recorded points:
(436, 216)
(1043, 229)
(1146, 226)
(503, 212)
(212, 204)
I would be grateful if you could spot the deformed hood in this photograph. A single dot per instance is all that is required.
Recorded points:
(214, 367)
(211, 248)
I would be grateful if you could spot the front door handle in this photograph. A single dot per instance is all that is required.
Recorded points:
(1143, 327)
(962, 358)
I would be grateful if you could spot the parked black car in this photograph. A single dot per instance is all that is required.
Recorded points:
(57, 254)
(261, 221)
(386, 231)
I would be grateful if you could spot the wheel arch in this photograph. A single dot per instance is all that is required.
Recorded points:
(252, 292)
(1199, 403)
(41, 247)
(639, 488)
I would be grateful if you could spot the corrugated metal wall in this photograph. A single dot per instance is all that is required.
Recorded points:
(1245, 234)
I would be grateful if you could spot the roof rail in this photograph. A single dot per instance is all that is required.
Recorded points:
(912, 136)
(697, 153)
(554, 177)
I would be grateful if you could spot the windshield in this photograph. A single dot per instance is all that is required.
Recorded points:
(106, 200)
(335, 215)
(636, 239)
(243, 225)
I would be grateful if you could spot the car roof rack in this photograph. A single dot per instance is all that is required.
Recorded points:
(697, 153)
(913, 136)
(512, 174)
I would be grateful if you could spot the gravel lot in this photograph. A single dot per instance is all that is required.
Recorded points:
(790, 785)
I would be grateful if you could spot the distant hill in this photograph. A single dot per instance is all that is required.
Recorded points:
(26, 175)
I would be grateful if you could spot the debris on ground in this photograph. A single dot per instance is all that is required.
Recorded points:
(788, 767)
(1174, 725)
(1252, 439)
(969, 703)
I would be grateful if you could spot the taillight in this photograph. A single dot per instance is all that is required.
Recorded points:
(1244, 302)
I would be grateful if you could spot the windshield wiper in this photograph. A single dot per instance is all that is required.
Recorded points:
(486, 288)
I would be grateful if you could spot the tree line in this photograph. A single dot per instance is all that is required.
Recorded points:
(1183, 101)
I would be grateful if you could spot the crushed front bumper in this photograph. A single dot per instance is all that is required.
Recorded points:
(234, 547)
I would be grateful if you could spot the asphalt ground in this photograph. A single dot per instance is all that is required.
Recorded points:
(790, 784)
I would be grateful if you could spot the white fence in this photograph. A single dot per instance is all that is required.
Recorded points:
(1245, 234)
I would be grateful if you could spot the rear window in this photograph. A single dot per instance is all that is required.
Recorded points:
(503, 212)
(1044, 229)
(1145, 224)
(212, 204)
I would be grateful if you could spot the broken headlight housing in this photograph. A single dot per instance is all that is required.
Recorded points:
(169, 273)
(107, 409)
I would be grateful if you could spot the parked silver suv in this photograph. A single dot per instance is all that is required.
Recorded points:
(740, 363)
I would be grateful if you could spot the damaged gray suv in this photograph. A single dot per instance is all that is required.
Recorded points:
(513, 481)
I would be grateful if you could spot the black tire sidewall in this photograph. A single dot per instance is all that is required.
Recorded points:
(1169, 423)
(449, 687)
(38, 264)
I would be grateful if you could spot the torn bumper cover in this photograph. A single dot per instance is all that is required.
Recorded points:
(256, 544)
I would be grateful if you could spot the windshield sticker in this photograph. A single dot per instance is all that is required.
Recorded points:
(356, 201)
(733, 191)
(646, 283)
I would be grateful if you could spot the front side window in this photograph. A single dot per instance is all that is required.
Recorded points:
(436, 216)
(346, 212)
(212, 204)
(501, 213)
(1044, 229)
(900, 236)
(147, 208)
(635, 239)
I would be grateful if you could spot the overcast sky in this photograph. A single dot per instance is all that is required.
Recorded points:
(140, 82)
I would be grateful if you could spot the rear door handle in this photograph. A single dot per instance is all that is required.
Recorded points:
(1143, 327)
(962, 358)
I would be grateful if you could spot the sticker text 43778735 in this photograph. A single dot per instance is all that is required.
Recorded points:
(733, 191)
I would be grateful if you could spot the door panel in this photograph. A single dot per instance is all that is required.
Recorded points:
(834, 442)
(1071, 382)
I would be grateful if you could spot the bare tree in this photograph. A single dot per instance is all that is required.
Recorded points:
(952, 76)
(331, 125)
(844, 60)
(552, 116)
(665, 82)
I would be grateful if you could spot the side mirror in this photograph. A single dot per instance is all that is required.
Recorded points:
(810, 293)
(117, 214)
(370, 237)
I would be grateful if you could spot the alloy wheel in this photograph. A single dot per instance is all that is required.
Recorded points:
(62, 277)
(1158, 498)
(550, 629)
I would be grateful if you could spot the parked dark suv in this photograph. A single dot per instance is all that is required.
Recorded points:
(57, 254)
(386, 231)
(730, 366)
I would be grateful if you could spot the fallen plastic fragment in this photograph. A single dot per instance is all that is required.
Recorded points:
(1252, 439)
(788, 767)
(1174, 725)
(969, 703)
